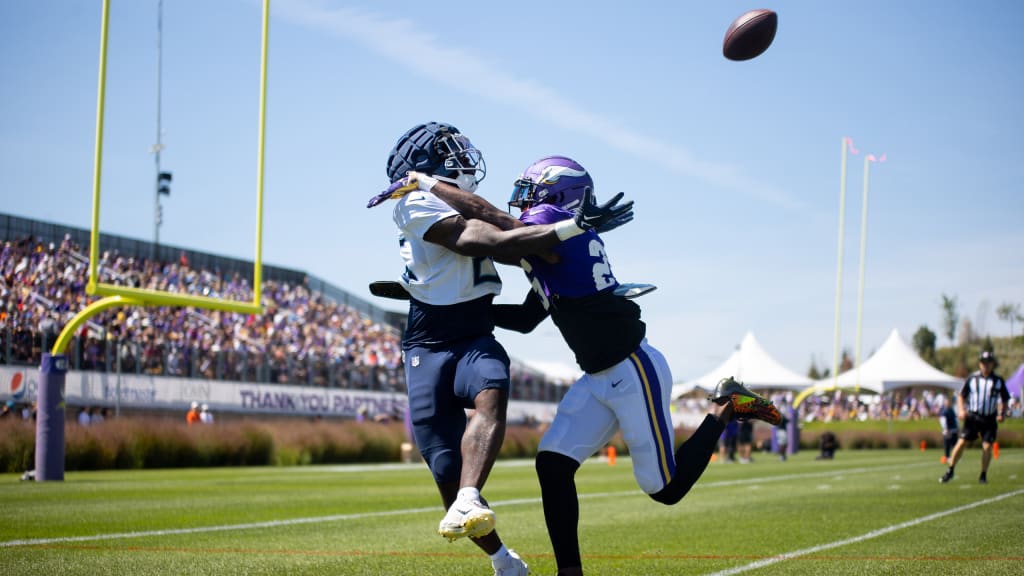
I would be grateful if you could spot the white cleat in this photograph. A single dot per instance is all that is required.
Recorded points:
(470, 518)
(512, 565)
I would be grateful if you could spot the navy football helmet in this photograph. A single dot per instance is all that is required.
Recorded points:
(553, 180)
(438, 150)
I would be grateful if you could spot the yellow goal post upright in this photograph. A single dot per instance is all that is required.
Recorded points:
(49, 460)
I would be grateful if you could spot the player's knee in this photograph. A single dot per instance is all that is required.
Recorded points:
(553, 468)
(446, 466)
(671, 493)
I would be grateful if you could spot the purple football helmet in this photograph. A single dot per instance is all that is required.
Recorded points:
(553, 180)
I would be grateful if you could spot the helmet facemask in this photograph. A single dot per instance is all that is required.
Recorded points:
(464, 165)
(439, 150)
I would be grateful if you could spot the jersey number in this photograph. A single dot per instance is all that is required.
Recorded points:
(535, 284)
(484, 271)
(602, 270)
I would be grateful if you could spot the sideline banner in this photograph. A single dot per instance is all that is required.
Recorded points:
(21, 384)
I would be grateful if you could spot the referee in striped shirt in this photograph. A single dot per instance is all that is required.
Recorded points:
(981, 405)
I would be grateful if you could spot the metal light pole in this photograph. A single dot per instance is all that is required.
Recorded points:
(157, 212)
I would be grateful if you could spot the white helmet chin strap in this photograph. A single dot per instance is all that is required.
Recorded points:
(465, 181)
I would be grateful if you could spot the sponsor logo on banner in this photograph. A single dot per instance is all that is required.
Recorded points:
(18, 386)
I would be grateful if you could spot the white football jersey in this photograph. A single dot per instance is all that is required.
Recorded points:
(433, 273)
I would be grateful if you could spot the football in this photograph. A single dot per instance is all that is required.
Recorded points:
(750, 35)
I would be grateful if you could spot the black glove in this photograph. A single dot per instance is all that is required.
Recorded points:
(613, 224)
(608, 216)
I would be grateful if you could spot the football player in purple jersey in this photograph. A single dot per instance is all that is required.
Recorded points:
(626, 383)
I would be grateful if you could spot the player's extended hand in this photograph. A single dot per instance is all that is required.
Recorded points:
(608, 216)
(614, 223)
(402, 186)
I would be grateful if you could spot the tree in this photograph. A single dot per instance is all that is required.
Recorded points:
(950, 317)
(813, 373)
(846, 362)
(1009, 313)
(924, 342)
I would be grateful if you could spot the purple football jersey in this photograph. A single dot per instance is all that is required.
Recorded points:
(583, 268)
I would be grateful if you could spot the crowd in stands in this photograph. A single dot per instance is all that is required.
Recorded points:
(301, 337)
(903, 404)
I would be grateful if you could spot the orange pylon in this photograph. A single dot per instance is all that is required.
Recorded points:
(611, 455)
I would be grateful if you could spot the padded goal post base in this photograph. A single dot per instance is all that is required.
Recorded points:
(50, 408)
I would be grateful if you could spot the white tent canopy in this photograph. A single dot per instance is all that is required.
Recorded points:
(751, 365)
(894, 365)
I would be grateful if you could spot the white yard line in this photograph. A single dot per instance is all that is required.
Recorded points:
(863, 537)
(222, 528)
(347, 517)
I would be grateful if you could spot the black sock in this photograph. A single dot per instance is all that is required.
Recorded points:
(556, 473)
(692, 459)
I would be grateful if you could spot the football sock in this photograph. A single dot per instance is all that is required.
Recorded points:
(468, 493)
(501, 554)
(556, 474)
(692, 459)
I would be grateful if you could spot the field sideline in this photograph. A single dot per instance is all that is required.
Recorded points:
(866, 512)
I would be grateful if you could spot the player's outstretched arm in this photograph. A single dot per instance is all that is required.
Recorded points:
(520, 317)
(472, 206)
(479, 238)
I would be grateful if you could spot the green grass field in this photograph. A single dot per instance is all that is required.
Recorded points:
(866, 512)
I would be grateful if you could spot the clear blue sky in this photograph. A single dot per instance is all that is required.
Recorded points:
(734, 166)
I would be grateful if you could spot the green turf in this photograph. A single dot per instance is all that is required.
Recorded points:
(373, 520)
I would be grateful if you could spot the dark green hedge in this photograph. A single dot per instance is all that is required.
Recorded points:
(127, 443)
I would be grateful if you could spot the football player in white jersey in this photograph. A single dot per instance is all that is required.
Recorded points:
(452, 361)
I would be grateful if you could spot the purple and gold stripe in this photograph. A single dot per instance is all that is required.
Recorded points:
(656, 417)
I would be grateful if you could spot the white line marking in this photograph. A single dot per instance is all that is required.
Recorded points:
(222, 528)
(863, 537)
(346, 517)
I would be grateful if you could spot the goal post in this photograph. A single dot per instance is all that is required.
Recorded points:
(53, 368)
